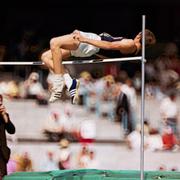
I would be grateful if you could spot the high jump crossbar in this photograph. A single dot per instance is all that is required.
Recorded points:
(89, 61)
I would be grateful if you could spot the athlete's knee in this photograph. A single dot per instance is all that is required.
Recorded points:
(44, 56)
(54, 43)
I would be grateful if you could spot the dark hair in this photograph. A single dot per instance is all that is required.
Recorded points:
(150, 38)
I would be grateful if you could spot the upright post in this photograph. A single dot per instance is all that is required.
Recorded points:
(142, 98)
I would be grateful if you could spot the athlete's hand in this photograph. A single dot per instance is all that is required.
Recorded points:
(77, 35)
(79, 38)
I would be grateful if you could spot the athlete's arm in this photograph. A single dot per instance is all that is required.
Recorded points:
(125, 45)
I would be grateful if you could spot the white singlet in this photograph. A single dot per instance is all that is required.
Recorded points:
(84, 49)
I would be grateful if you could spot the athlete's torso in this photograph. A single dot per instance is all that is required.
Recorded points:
(112, 53)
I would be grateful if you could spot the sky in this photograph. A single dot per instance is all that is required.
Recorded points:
(117, 17)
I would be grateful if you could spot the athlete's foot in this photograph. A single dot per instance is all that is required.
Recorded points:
(74, 91)
(55, 95)
(56, 92)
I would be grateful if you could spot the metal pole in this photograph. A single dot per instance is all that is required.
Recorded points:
(142, 99)
(74, 62)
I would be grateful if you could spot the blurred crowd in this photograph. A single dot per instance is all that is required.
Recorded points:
(62, 159)
(84, 157)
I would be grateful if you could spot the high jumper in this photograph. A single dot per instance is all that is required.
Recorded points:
(86, 44)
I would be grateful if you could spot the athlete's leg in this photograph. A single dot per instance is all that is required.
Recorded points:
(46, 57)
(57, 79)
(65, 42)
(58, 69)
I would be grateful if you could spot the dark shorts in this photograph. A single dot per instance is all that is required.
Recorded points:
(107, 37)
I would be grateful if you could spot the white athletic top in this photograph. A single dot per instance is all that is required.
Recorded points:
(84, 49)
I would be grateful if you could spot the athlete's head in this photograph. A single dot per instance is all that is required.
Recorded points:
(150, 38)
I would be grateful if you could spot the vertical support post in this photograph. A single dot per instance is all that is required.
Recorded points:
(142, 99)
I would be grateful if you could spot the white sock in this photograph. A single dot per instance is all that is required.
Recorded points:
(68, 80)
(57, 78)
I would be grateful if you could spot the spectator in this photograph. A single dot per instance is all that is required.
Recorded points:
(103, 97)
(5, 125)
(49, 164)
(154, 140)
(130, 92)
(168, 138)
(65, 155)
(13, 89)
(54, 127)
(25, 163)
(93, 162)
(122, 110)
(85, 88)
(33, 89)
(12, 165)
(4, 87)
(87, 131)
(169, 112)
(83, 157)
(134, 138)
(17, 162)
